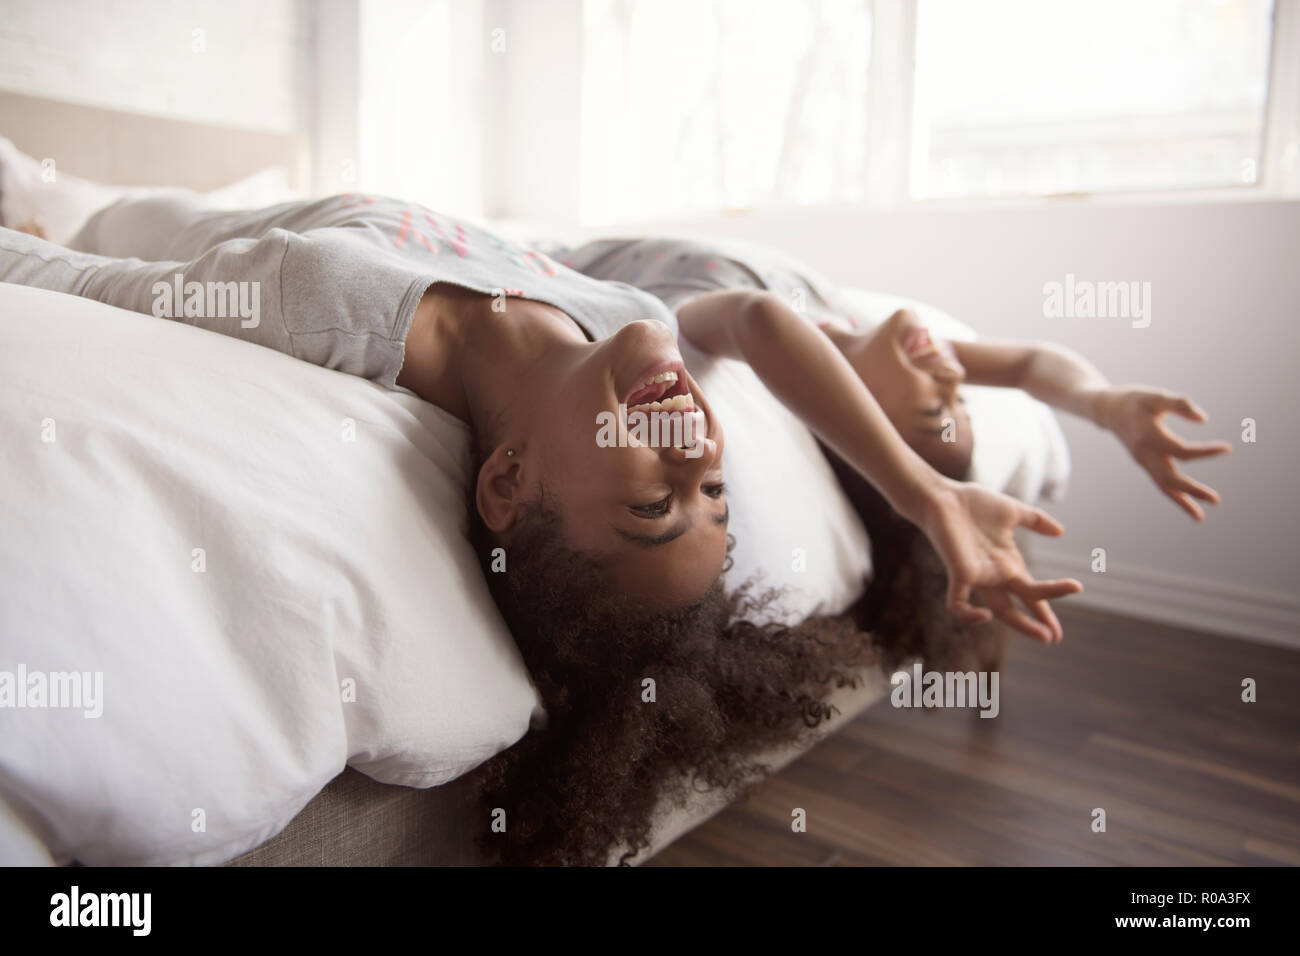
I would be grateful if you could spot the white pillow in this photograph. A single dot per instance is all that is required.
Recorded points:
(65, 203)
(129, 443)
(266, 187)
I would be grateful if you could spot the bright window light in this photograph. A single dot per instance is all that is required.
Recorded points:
(700, 105)
(1036, 97)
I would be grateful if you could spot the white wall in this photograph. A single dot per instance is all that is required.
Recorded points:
(1225, 327)
(248, 67)
(540, 141)
(421, 101)
(335, 101)
(399, 101)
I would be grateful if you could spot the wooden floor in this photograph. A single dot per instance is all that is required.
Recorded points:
(1145, 721)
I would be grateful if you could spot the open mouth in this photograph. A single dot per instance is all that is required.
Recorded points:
(661, 389)
(924, 350)
(918, 343)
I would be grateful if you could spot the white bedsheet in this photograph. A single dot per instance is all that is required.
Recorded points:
(339, 616)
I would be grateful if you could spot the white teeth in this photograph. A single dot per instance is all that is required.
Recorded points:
(678, 403)
(661, 377)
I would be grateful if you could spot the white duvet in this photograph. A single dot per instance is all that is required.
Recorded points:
(256, 555)
(264, 563)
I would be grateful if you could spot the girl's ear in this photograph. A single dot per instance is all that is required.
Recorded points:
(499, 493)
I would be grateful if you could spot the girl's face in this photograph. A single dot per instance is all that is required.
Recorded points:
(653, 511)
(915, 378)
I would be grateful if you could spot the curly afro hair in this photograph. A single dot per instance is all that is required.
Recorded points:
(732, 679)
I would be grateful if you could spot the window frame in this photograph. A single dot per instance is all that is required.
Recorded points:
(892, 135)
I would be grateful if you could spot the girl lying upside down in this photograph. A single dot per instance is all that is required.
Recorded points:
(615, 556)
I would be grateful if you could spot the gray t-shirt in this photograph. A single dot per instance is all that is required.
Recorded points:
(333, 281)
(676, 270)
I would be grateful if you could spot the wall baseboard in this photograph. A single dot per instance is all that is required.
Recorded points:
(1197, 603)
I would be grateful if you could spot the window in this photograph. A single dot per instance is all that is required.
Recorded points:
(700, 105)
(1016, 97)
(703, 106)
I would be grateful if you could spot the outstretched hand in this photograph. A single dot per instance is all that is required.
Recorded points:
(971, 529)
(1136, 416)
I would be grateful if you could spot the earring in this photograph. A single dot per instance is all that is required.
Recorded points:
(510, 453)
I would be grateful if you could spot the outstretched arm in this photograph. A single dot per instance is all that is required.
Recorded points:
(970, 527)
(1066, 380)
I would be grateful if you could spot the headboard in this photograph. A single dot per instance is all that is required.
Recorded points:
(132, 149)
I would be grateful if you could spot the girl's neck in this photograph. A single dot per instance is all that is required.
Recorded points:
(470, 359)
